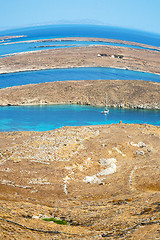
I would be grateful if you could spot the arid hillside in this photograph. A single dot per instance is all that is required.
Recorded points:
(92, 56)
(124, 94)
(103, 181)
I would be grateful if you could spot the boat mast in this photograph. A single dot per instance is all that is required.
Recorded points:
(106, 102)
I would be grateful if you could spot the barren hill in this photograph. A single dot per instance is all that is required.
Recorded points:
(102, 180)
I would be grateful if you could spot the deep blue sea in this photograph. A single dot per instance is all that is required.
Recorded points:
(41, 118)
(64, 74)
(76, 30)
(60, 31)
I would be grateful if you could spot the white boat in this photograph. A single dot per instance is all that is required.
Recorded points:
(106, 110)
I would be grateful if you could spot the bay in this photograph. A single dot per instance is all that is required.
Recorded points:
(48, 117)
(43, 118)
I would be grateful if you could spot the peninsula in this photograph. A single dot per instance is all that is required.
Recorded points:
(121, 94)
(10, 37)
(91, 56)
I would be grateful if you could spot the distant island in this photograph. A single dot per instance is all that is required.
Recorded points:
(10, 37)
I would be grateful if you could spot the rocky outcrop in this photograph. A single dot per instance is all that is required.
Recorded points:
(137, 106)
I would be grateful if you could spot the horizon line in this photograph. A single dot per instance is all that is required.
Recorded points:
(74, 23)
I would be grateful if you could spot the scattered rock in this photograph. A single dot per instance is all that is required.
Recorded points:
(107, 162)
(139, 153)
(92, 179)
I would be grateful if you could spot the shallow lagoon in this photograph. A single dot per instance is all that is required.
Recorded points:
(48, 117)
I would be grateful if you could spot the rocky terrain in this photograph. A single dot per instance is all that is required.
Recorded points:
(121, 94)
(103, 181)
(91, 182)
(92, 56)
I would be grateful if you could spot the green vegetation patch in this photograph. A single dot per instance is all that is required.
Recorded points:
(62, 222)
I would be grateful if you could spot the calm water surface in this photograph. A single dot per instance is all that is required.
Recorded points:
(32, 77)
(81, 30)
(76, 30)
(7, 49)
(43, 118)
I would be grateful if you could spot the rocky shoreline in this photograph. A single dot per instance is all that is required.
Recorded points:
(121, 94)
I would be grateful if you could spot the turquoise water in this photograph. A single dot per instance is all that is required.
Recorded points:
(23, 78)
(11, 48)
(44, 118)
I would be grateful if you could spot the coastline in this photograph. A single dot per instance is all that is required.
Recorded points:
(88, 39)
(91, 56)
(2, 38)
(134, 94)
(103, 181)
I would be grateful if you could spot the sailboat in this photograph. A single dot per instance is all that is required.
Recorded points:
(106, 110)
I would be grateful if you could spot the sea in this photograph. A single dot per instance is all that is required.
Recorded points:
(43, 118)
(30, 34)
(83, 30)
